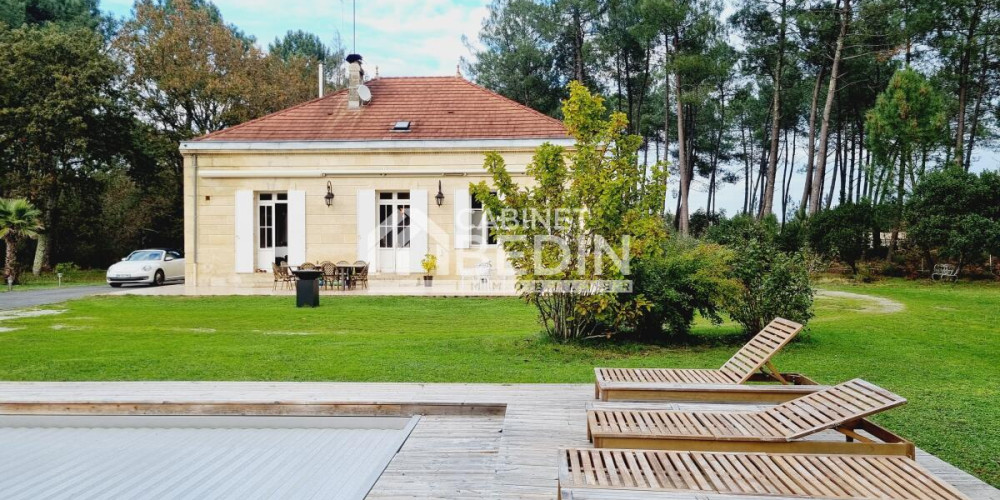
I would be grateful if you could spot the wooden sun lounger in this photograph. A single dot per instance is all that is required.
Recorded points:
(586, 474)
(752, 363)
(779, 429)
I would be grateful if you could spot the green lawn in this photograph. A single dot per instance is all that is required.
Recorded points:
(51, 280)
(942, 352)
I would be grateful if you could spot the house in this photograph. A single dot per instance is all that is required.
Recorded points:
(377, 172)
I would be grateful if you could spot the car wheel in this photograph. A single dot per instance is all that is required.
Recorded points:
(158, 278)
(116, 285)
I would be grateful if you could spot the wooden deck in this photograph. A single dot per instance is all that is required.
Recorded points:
(475, 440)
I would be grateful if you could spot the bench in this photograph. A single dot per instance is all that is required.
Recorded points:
(944, 272)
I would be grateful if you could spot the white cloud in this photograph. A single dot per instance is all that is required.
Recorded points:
(401, 37)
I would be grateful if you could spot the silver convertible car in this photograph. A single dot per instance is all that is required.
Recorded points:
(153, 266)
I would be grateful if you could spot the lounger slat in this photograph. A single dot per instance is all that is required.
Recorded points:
(780, 428)
(761, 348)
(815, 412)
(785, 474)
(740, 367)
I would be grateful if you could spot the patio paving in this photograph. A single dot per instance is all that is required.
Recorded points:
(474, 440)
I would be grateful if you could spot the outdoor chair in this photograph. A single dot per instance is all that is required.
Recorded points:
(281, 275)
(752, 363)
(944, 272)
(484, 276)
(329, 274)
(361, 273)
(307, 266)
(791, 427)
(641, 474)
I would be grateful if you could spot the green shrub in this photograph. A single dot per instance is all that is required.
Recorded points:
(736, 230)
(957, 214)
(792, 236)
(843, 233)
(66, 268)
(701, 220)
(771, 283)
(687, 277)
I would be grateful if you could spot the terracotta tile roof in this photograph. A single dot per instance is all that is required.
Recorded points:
(438, 107)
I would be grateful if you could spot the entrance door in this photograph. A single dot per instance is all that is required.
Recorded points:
(272, 229)
(394, 232)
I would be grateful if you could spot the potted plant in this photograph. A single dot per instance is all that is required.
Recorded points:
(430, 264)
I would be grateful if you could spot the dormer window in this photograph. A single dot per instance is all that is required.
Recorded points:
(401, 126)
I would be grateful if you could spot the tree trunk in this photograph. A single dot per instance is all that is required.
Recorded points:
(41, 254)
(977, 109)
(767, 201)
(833, 178)
(746, 169)
(791, 173)
(43, 249)
(578, 68)
(817, 187)
(900, 188)
(666, 118)
(811, 156)
(861, 155)
(716, 150)
(784, 178)
(842, 141)
(10, 260)
(850, 173)
(963, 81)
(682, 211)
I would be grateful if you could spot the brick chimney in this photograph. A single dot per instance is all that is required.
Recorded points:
(356, 77)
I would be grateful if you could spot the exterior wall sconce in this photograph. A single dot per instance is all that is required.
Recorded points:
(439, 198)
(329, 194)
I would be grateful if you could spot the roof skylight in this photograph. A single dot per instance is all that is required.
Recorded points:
(401, 126)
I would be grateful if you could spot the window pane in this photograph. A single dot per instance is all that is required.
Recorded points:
(262, 239)
(385, 237)
(282, 196)
(476, 204)
(403, 221)
(265, 196)
(404, 215)
(491, 237)
(281, 224)
(403, 196)
(476, 227)
(385, 226)
(385, 196)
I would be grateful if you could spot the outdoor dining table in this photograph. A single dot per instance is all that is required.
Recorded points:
(345, 274)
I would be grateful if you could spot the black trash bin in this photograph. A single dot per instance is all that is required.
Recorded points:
(307, 288)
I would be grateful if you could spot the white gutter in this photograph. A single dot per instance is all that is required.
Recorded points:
(247, 173)
(403, 144)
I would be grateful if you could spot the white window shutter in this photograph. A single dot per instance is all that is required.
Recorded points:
(296, 227)
(367, 225)
(244, 231)
(463, 218)
(418, 228)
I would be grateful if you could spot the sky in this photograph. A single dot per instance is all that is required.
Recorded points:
(401, 37)
(422, 38)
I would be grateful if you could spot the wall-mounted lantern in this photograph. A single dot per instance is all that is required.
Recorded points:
(329, 194)
(439, 198)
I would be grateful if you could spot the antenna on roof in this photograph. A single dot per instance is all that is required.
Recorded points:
(364, 93)
(354, 27)
(458, 70)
